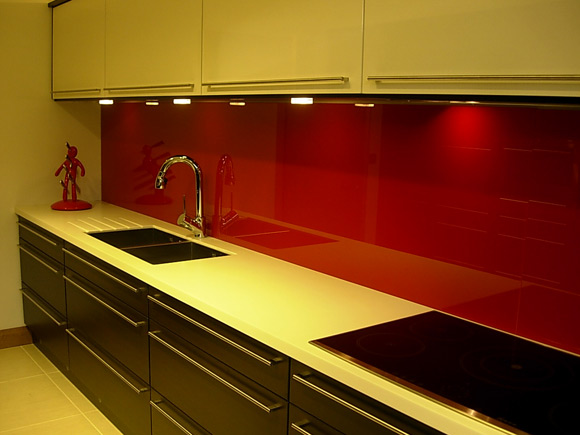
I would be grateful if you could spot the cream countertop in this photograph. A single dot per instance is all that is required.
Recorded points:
(278, 303)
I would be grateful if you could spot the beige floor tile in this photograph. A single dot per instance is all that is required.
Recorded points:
(68, 388)
(32, 400)
(39, 358)
(102, 424)
(75, 425)
(15, 363)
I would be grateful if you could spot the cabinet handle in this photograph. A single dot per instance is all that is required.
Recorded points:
(478, 78)
(41, 308)
(137, 88)
(347, 405)
(136, 389)
(106, 305)
(266, 361)
(113, 277)
(40, 260)
(36, 233)
(70, 91)
(339, 80)
(155, 405)
(263, 407)
(298, 427)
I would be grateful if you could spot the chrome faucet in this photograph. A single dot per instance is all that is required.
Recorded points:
(197, 224)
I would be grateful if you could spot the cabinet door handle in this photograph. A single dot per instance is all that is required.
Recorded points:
(478, 78)
(262, 406)
(298, 427)
(41, 308)
(108, 275)
(155, 405)
(106, 305)
(348, 405)
(135, 388)
(152, 87)
(339, 80)
(260, 358)
(40, 260)
(37, 234)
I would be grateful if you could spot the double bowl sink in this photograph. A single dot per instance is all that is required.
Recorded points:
(156, 246)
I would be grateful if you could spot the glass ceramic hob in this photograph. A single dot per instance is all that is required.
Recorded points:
(508, 381)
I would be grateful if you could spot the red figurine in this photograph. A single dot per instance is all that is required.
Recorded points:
(70, 166)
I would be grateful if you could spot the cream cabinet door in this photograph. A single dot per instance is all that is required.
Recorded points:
(515, 47)
(78, 40)
(281, 46)
(153, 47)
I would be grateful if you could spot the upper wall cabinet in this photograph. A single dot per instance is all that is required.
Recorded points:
(281, 47)
(78, 49)
(153, 47)
(516, 47)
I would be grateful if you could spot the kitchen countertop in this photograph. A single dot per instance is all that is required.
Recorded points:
(278, 303)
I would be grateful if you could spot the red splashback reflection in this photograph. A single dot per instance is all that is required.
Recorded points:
(472, 210)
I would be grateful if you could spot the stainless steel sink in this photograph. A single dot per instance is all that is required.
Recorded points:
(156, 246)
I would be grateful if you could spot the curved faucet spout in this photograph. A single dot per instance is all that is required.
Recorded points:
(197, 225)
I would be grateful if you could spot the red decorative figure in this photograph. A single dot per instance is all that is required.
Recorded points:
(70, 166)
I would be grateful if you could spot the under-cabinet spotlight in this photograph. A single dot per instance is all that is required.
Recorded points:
(238, 102)
(364, 105)
(152, 103)
(302, 100)
(105, 102)
(182, 101)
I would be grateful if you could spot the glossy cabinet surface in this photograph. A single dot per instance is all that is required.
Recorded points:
(78, 53)
(456, 47)
(344, 409)
(271, 47)
(153, 48)
(43, 291)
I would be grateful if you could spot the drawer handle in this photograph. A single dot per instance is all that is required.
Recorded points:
(36, 233)
(339, 80)
(298, 427)
(263, 407)
(347, 405)
(41, 308)
(266, 361)
(136, 389)
(40, 260)
(155, 405)
(113, 277)
(106, 305)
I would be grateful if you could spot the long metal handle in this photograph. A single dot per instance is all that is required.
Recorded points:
(130, 88)
(77, 90)
(40, 260)
(41, 308)
(106, 364)
(338, 80)
(113, 277)
(298, 428)
(165, 414)
(262, 406)
(348, 405)
(263, 360)
(478, 78)
(36, 233)
(106, 305)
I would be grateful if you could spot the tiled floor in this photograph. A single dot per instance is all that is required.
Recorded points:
(37, 399)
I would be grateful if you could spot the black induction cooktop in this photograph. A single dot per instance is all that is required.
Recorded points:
(509, 381)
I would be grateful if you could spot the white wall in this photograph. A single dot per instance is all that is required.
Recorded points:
(33, 133)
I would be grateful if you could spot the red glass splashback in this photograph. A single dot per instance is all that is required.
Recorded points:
(472, 210)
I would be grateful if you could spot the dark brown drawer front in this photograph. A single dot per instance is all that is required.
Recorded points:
(345, 409)
(246, 355)
(117, 328)
(300, 423)
(116, 282)
(42, 239)
(43, 275)
(123, 398)
(166, 419)
(48, 328)
(217, 397)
